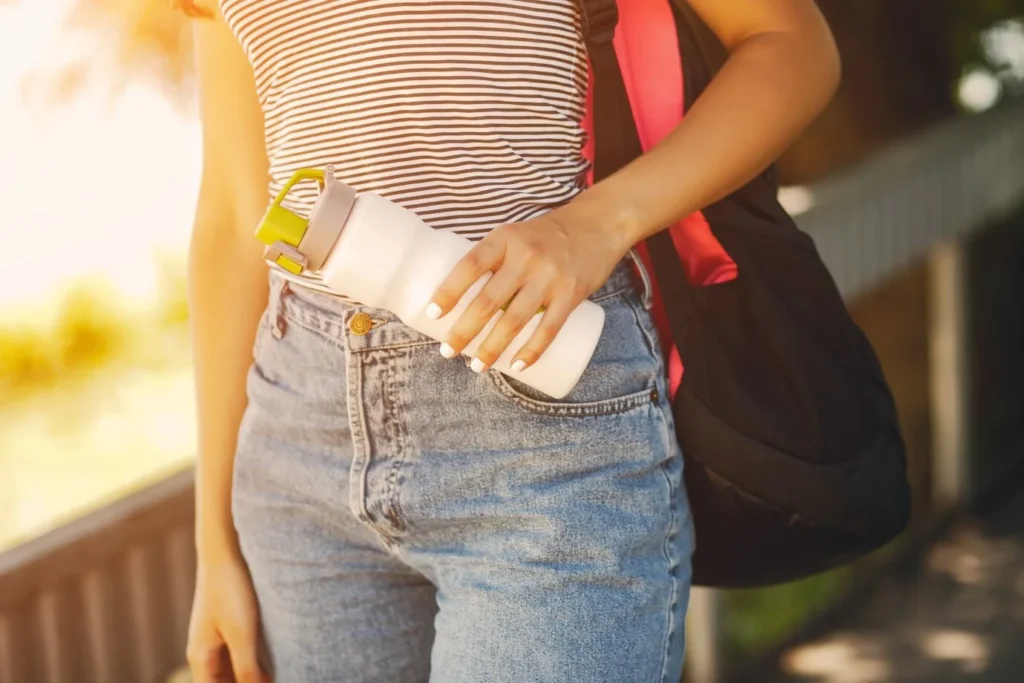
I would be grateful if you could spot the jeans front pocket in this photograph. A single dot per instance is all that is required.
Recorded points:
(624, 373)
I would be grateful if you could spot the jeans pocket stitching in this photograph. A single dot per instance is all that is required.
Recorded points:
(327, 331)
(625, 289)
(609, 406)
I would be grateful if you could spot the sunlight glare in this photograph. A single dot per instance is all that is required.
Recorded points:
(979, 90)
(796, 199)
(969, 649)
(88, 188)
(1004, 47)
(841, 659)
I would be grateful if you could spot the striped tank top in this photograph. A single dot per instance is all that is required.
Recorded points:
(466, 112)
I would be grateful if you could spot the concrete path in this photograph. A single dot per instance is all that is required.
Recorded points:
(960, 619)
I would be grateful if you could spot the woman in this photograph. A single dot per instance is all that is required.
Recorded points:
(369, 504)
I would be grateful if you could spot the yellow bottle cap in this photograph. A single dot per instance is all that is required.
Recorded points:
(282, 230)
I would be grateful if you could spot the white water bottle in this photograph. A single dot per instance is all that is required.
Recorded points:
(382, 255)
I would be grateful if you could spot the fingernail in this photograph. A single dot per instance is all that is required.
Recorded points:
(433, 311)
(477, 365)
(447, 351)
(519, 365)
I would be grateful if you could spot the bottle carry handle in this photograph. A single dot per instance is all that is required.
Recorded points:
(316, 174)
(282, 230)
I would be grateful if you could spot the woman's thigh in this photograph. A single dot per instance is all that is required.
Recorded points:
(557, 532)
(335, 604)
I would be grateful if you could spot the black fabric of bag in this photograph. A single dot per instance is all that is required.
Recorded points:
(794, 460)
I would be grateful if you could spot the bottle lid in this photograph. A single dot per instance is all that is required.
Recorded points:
(296, 243)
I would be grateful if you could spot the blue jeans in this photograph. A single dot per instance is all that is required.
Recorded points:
(405, 519)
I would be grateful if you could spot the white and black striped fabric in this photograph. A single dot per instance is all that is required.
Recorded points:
(467, 112)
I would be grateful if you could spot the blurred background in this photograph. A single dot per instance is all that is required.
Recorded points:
(912, 184)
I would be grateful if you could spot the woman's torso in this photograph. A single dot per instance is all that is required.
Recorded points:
(467, 112)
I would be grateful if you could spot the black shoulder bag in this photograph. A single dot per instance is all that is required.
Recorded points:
(794, 461)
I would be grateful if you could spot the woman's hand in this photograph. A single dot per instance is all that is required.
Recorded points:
(551, 262)
(223, 634)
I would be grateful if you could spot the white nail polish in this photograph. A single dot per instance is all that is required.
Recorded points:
(477, 365)
(433, 311)
(519, 365)
(447, 351)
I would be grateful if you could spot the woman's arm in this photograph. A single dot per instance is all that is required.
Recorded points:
(782, 70)
(227, 274)
(227, 294)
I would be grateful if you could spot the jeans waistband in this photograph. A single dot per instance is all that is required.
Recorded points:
(365, 327)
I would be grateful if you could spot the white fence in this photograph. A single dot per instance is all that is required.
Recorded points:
(892, 209)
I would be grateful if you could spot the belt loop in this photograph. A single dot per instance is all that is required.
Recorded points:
(278, 324)
(645, 277)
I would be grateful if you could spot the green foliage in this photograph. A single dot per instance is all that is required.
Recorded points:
(89, 331)
(86, 333)
(91, 328)
(27, 357)
(757, 619)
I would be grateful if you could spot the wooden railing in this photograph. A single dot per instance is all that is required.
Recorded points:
(106, 598)
(940, 185)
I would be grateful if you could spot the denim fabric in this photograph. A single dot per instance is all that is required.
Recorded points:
(405, 519)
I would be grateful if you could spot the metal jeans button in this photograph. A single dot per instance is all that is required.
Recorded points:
(360, 324)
